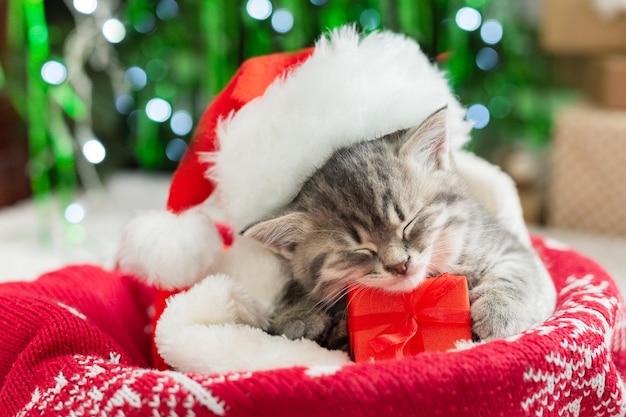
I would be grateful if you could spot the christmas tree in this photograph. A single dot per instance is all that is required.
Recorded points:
(103, 85)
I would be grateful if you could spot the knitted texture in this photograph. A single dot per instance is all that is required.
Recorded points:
(75, 342)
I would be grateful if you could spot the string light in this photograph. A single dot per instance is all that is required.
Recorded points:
(468, 19)
(167, 9)
(175, 149)
(85, 6)
(144, 23)
(124, 103)
(259, 9)
(75, 213)
(369, 19)
(53, 72)
(479, 114)
(282, 20)
(136, 77)
(487, 59)
(491, 31)
(94, 151)
(158, 110)
(181, 122)
(114, 30)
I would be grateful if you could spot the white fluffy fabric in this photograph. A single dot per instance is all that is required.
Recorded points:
(213, 327)
(256, 269)
(351, 89)
(169, 250)
(496, 191)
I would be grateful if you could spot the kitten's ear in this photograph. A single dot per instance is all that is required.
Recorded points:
(430, 140)
(280, 234)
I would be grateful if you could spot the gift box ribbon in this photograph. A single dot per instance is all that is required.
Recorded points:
(403, 327)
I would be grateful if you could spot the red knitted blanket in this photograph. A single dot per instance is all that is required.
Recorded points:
(76, 342)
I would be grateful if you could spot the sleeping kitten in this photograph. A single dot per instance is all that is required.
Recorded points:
(389, 213)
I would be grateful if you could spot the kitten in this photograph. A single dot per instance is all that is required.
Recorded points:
(389, 213)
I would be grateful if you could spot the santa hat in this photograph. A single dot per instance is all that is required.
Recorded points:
(279, 119)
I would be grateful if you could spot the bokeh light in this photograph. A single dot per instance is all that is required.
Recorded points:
(75, 213)
(124, 103)
(167, 9)
(157, 69)
(479, 114)
(114, 31)
(369, 19)
(144, 23)
(181, 122)
(499, 107)
(85, 6)
(158, 110)
(468, 19)
(259, 9)
(53, 72)
(282, 20)
(94, 151)
(487, 59)
(318, 2)
(131, 121)
(175, 149)
(136, 77)
(491, 32)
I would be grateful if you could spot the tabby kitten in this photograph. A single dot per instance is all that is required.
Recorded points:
(389, 213)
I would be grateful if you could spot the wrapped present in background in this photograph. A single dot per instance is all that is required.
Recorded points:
(586, 190)
(433, 317)
(601, 78)
(576, 27)
(605, 81)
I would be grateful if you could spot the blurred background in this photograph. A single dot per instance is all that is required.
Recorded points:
(98, 100)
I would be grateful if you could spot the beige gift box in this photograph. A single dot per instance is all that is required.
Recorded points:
(575, 27)
(588, 179)
(605, 81)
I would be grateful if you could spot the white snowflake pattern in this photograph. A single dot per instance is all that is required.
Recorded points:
(101, 387)
(555, 244)
(72, 310)
(322, 370)
(580, 368)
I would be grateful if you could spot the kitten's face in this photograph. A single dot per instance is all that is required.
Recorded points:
(378, 214)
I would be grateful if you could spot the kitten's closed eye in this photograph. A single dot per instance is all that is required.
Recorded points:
(409, 228)
(366, 251)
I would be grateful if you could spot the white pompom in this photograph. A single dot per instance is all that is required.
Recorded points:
(170, 251)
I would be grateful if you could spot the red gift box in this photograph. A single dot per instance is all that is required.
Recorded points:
(433, 317)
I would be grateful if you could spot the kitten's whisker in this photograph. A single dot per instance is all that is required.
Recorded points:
(330, 299)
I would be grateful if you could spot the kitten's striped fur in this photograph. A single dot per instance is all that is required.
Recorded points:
(389, 213)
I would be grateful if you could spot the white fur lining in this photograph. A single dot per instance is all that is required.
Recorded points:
(169, 250)
(351, 89)
(215, 327)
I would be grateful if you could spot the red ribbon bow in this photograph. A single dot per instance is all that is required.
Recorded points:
(419, 308)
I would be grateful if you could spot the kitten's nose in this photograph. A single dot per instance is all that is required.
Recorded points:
(399, 268)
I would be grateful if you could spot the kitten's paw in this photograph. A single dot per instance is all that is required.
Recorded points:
(297, 322)
(496, 316)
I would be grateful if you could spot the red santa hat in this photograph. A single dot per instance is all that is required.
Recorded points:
(279, 118)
